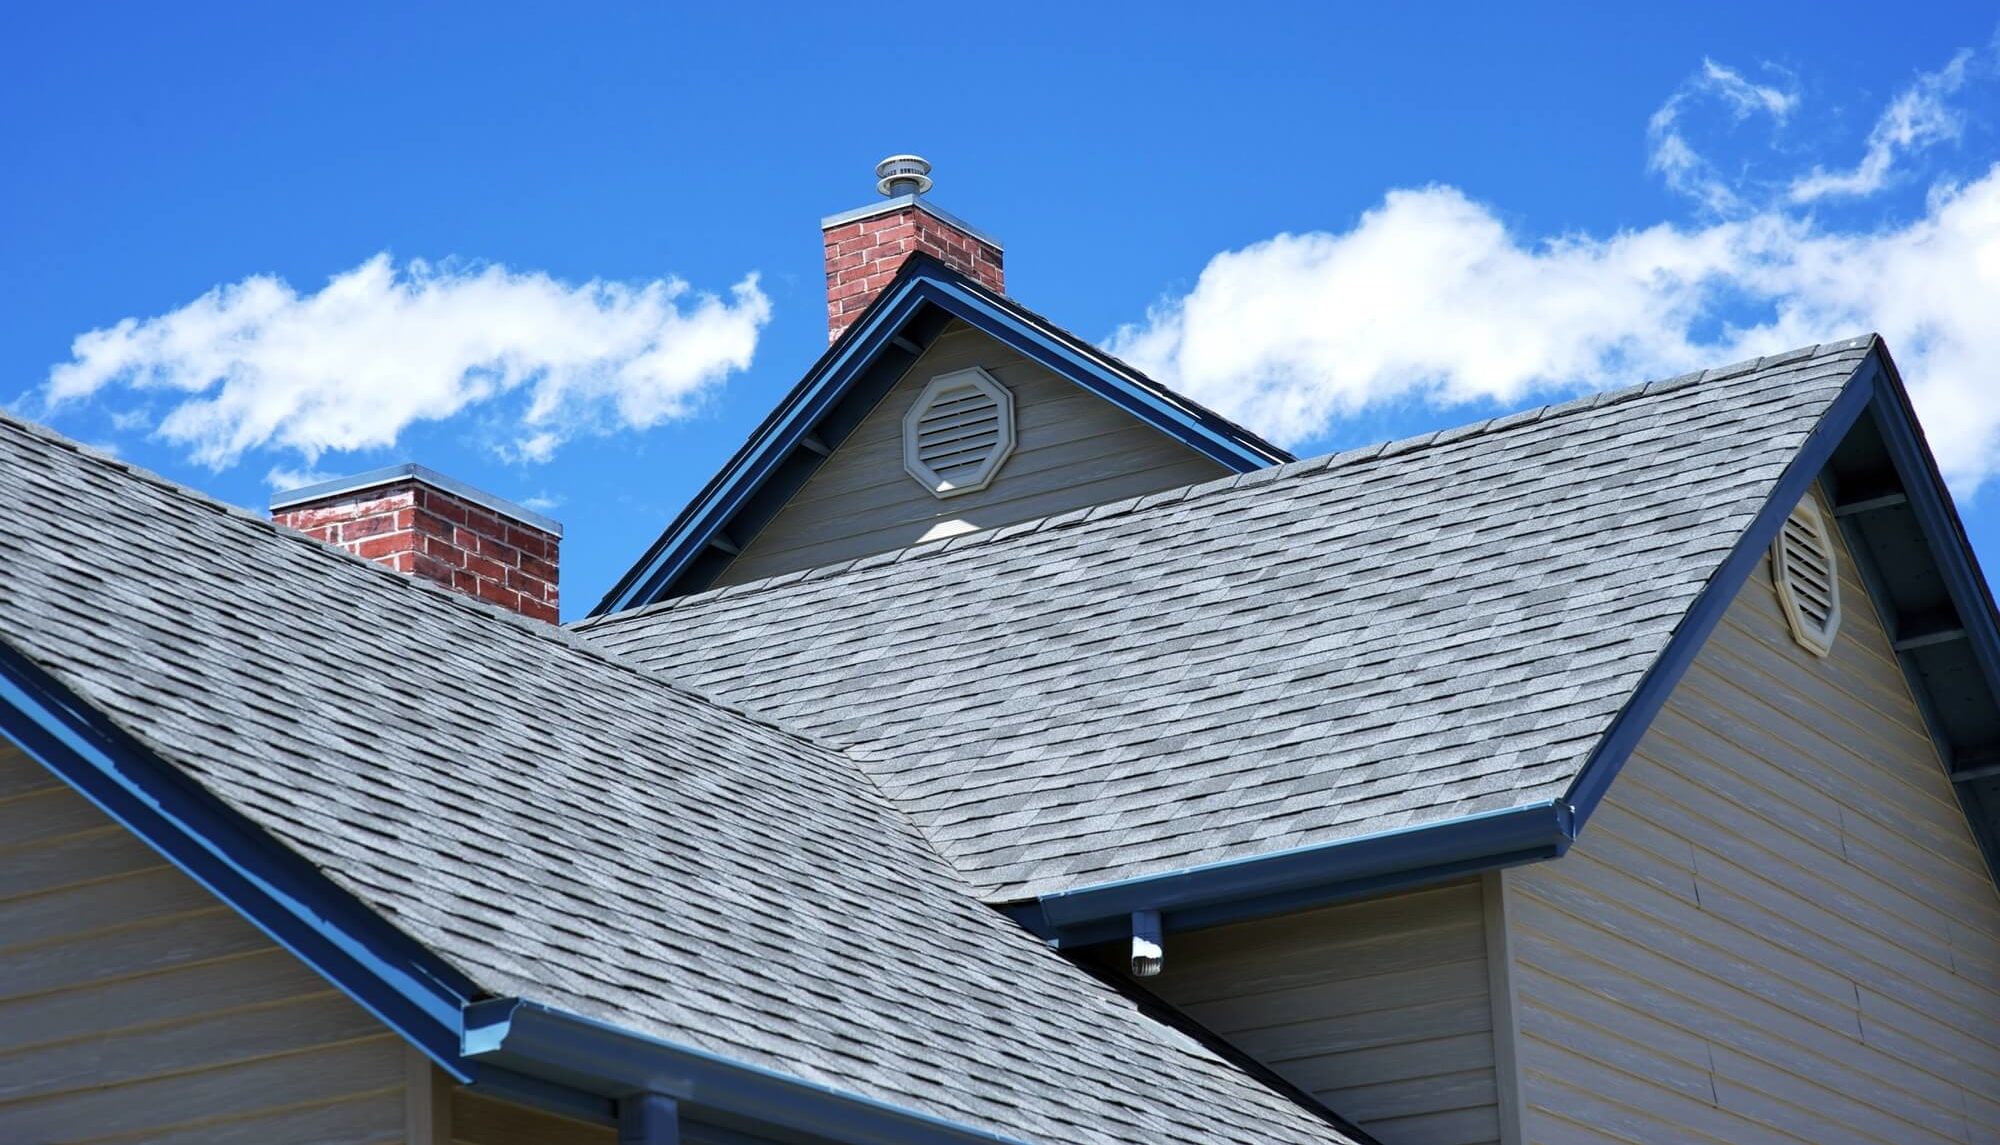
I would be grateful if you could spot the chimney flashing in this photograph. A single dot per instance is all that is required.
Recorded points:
(411, 471)
(903, 203)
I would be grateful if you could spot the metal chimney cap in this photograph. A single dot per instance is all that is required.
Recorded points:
(903, 175)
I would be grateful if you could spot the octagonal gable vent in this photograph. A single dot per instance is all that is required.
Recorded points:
(959, 432)
(1802, 563)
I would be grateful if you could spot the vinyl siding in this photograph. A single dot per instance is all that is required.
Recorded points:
(1777, 927)
(1072, 449)
(1380, 1009)
(481, 1120)
(134, 1006)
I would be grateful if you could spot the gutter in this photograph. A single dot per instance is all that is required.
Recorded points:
(1302, 878)
(590, 1056)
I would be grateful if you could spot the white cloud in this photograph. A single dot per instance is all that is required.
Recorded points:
(1916, 119)
(1430, 298)
(1675, 160)
(257, 365)
(284, 478)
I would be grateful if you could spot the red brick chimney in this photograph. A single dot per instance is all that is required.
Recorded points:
(866, 245)
(418, 521)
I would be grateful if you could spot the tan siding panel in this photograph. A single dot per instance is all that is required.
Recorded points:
(171, 994)
(169, 1102)
(1381, 1009)
(363, 1119)
(1072, 449)
(135, 1005)
(477, 1120)
(1778, 926)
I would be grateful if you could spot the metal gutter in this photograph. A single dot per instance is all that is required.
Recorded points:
(1304, 877)
(595, 1057)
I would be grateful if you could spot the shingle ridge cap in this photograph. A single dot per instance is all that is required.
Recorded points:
(555, 634)
(1272, 474)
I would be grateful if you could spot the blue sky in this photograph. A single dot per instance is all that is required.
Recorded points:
(574, 253)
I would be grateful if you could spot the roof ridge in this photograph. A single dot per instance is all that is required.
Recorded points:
(1273, 474)
(555, 634)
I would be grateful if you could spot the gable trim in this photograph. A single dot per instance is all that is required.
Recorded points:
(383, 970)
(1691, 635)
(922, 284)
(1974, 779)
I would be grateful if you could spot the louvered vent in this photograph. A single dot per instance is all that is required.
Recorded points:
(958, 432)
(1802, 563)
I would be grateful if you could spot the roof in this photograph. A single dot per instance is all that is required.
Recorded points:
(558, 826)
(845, 384)
(1339, 649)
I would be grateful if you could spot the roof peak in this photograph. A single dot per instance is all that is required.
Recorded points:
(1287, 471)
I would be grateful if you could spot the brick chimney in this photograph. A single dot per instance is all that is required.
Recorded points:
(866, 245)
(418, 521)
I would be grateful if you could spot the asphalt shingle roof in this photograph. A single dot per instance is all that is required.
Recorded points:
(564, 827)
(1383, 638)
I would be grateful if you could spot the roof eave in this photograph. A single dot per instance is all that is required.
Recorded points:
(1303, 878)
(526, 1038)
(382, 969)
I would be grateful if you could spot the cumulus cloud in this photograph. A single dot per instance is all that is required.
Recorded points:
(1430, 298)
(1674, 159)
(257, 365)
(1917, 118)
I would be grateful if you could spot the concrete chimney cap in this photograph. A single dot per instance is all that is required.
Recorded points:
(903, 175)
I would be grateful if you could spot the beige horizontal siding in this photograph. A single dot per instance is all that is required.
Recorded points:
(480, 1120)
(1380, 1009)
(1777, 928)
(1072, 449)
(134, 1006)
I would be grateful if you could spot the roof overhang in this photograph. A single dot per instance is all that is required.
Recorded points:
(847, 382)
(528, 1040)
(511, 1048)
(1868, 450)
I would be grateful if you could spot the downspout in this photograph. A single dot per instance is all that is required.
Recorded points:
(649, 1119)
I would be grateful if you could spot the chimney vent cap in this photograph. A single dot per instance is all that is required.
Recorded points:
(903, 175)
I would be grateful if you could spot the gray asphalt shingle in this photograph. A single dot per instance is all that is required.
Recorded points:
(565, 827)
(1379, 639)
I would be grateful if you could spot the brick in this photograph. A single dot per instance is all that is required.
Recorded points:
(499, 594)
(482, 522)
(485, 568)
(429, 523)
(432, 569)
(372, 526)
(375, 548)
(446, 506)
(529, 541)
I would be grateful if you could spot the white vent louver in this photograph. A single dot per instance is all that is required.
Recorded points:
(958, 432)
(1802, 563)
